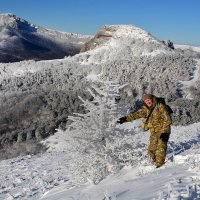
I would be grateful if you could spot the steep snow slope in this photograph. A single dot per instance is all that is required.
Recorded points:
(20, 40)
(172, 182)
(47, 177)
(37, 96)
(179, 178)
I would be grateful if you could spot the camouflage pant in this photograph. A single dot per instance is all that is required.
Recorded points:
(157, 148)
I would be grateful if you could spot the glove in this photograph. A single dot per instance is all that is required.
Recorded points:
(122, 120)
(164, 137)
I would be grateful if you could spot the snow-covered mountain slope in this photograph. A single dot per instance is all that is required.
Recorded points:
(188, 50)
(185, 47)
(179, 178)
(124, 42)
(37, 96)
(115, 41)
(171, 182)
(21, 40)
(186, 86)
(46, 176)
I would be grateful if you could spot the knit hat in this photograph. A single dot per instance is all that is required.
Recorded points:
(147, 96)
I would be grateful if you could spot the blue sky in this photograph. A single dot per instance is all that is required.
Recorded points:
(178, 20)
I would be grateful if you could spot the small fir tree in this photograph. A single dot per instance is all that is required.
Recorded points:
(90, 135)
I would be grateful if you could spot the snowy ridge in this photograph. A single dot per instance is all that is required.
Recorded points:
(21, 40)
(126, 39)
(133, 32)
(11, 20)
(118, 45)
(184, 47)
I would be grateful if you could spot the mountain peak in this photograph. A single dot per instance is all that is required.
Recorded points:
(22, 40)
(13, 21)
(8, 15)
(119, 31)
(132, 31)
(125, 38)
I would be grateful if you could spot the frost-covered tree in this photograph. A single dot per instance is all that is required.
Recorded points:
(91, 134)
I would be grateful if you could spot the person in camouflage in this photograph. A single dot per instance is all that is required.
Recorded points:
(157, 119)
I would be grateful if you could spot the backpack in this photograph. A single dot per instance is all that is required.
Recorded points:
(162, 101)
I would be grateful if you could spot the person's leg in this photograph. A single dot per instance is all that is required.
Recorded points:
(153, 146)
(161, 150)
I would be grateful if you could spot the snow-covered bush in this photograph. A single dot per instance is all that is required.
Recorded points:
(90, 135)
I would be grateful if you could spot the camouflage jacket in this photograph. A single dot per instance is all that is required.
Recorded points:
(159, 120)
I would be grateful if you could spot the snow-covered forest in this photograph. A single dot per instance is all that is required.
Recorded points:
(65, 112)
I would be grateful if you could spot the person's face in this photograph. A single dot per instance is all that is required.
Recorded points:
(148, 102)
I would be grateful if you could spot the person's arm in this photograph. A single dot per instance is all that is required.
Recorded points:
(141, 113)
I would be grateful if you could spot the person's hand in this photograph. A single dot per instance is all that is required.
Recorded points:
(164, 137)
(122, 120)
